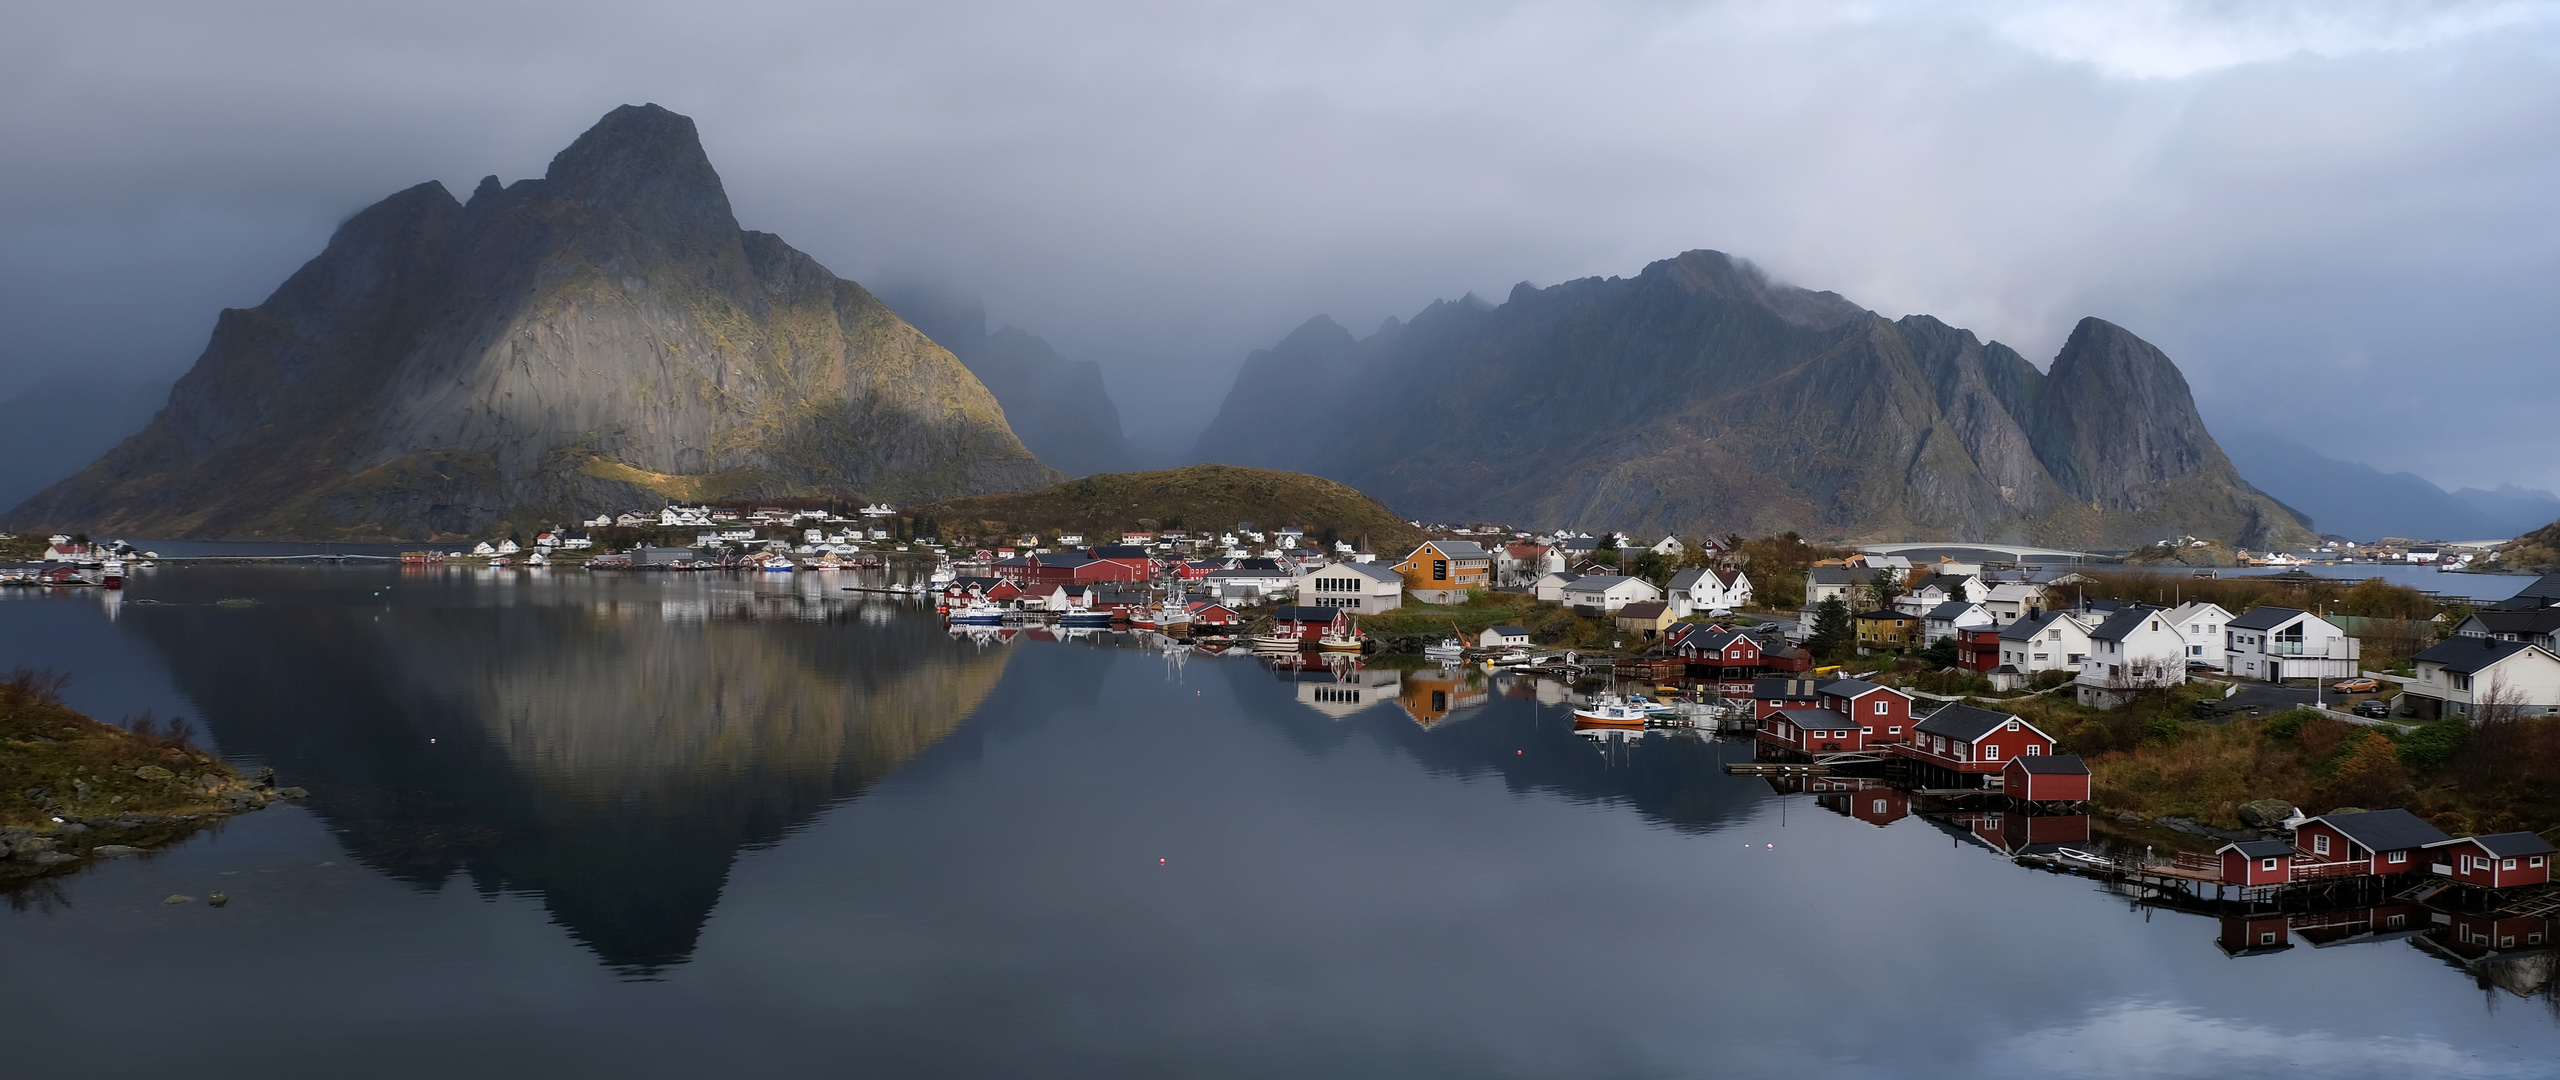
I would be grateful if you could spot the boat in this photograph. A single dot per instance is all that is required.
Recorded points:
(1609, 710)
(943, 574)
(1290, 642)
(978, 613)
(112, 574)
(1342, 637)
(1656, 709)
(1086, 619)
(1447, 651)
(778, 566)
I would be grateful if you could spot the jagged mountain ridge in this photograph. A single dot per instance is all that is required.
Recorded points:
(1701, 396)
(603, 337)
(1059, 407)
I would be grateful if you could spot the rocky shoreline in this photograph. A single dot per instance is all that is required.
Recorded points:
(74, 791)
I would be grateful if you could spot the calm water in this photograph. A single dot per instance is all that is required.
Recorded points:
(695, 825)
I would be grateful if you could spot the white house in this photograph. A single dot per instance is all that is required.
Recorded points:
(1605, 593)
(2275, 644)
(1669, 545)
(2201, 624)
(1362, 587)
(1550, 587)
(2050, 641)
(2462, 674)
(2009, 601)
(1943, 621)
(1700, 588)
(2137, 648)
(1253, 584)
(1503, 637)
(1515, 565)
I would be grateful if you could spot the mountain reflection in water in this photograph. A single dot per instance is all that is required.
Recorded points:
(609, 749)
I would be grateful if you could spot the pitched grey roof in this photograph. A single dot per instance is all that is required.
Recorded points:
(2536, 621)
(2029, 626)
(2466, 655)
(1848, 687)
(2259, 849)
(2544, 592)
(1948, 611)
(2505, 845)
(1461, 549)
(1688, 579)
(1819, 719)
(1838, 575)
(1598, 582)
(1508, 630)
(2264, 618)
(1963, 723)
(2052, 764)
(2124, 621)
(2385, 830)
(1304, 614)
(1372, 571)
(1773, 688)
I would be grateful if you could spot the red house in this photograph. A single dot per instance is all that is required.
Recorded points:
(1971, 746)
(1769, 695)
(2256, 862)
(2499, 861)
(1883, 713)
(1978, 648)
(1127, 555)
(1307, 623)
(2057, 778)
(1811, 731)
(1204, 613)
(2372, 842)
(1730, 658)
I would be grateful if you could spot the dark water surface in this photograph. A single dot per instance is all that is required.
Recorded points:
(700, 825)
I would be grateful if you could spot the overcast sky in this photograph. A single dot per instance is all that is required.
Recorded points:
(2339, 217)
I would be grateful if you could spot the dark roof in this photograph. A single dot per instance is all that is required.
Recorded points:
(2505, 845)
(2028, 626)
(1508, 630)
(2053, 764)
(1886, 613)
(2466, 655)
(2536, 621)
(1304, 614)
(2264, 618)
(1120, 551)
(1372, 571)
(1839, 575)
(2258, 849)
(1963, 723)
(1644, 609)
(1949, 610)
(1601, 582)
(1773, 687)
(1819, 719)
(2123, 622)
(1848, 688)
(2385, 830)
(2544, 592)
(1257, 564)
(1063, 558)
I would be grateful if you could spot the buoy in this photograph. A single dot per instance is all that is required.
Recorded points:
(1159, 862)
(1773, 847)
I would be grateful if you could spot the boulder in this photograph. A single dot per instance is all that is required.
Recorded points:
(114, 851)
(177, 899)
(153, 772)
(50, 858)
(2265, 813)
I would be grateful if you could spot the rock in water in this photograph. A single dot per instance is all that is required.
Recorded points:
(218, 898)
(114, 851)
(603, 337)
(2265, 813)
(177, 899)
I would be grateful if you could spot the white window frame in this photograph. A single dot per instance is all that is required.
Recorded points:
(2320, 844)
(2268, 864)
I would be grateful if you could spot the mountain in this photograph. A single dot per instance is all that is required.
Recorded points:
(1058, 406)
(1701, 396)
(2511, 510)
(51, 429)
(1196, 497)
(601, 338)
(2356, 500)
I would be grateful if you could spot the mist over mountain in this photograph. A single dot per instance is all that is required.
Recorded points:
(601, 338)
(2363, 503)
(1701, 396)
(1058, 407)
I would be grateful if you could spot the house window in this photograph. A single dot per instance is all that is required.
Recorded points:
(2267, 864)
(2397, 856)
(1880, 709)
(2319, 844)
(1866, 731)
(1991, 753)
(2507, 865)
(2034, 749)
(2267, 937)
(1897, 730)
(2537, 861)
(2012, 726)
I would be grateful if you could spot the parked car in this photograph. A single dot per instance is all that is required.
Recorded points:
(2355, 686)
(2373, 707)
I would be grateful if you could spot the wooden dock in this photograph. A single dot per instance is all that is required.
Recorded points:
(1777, 768)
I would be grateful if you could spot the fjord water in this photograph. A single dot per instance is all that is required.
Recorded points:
(684, 825)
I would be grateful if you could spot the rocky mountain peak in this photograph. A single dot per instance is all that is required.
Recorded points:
(645, 164)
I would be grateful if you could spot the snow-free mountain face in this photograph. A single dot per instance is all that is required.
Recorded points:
(1701, 396)
(602, 338)
(1058, 406)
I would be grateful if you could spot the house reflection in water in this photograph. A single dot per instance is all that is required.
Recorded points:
(1865, 798)
(2013, 834)
(1337, 689)
(1431, 694)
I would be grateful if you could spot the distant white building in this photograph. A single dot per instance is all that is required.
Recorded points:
(1605, 593)
(1361, 587)
(2201, 624)
(1550, 587)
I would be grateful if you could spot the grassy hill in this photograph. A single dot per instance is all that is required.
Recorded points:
(1196, 498)
(2536, 550)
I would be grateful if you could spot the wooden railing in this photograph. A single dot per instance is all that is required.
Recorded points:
(2188, 860)
(2303, 871)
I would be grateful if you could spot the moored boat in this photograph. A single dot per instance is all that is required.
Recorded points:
(1607, 709)
(978, 613)
(1446, 651)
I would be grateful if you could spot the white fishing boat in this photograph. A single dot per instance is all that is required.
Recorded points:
(1446, 651)
(978, 613)
(1609, 710)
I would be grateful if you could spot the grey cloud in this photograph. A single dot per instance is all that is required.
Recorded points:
(2317, 208)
